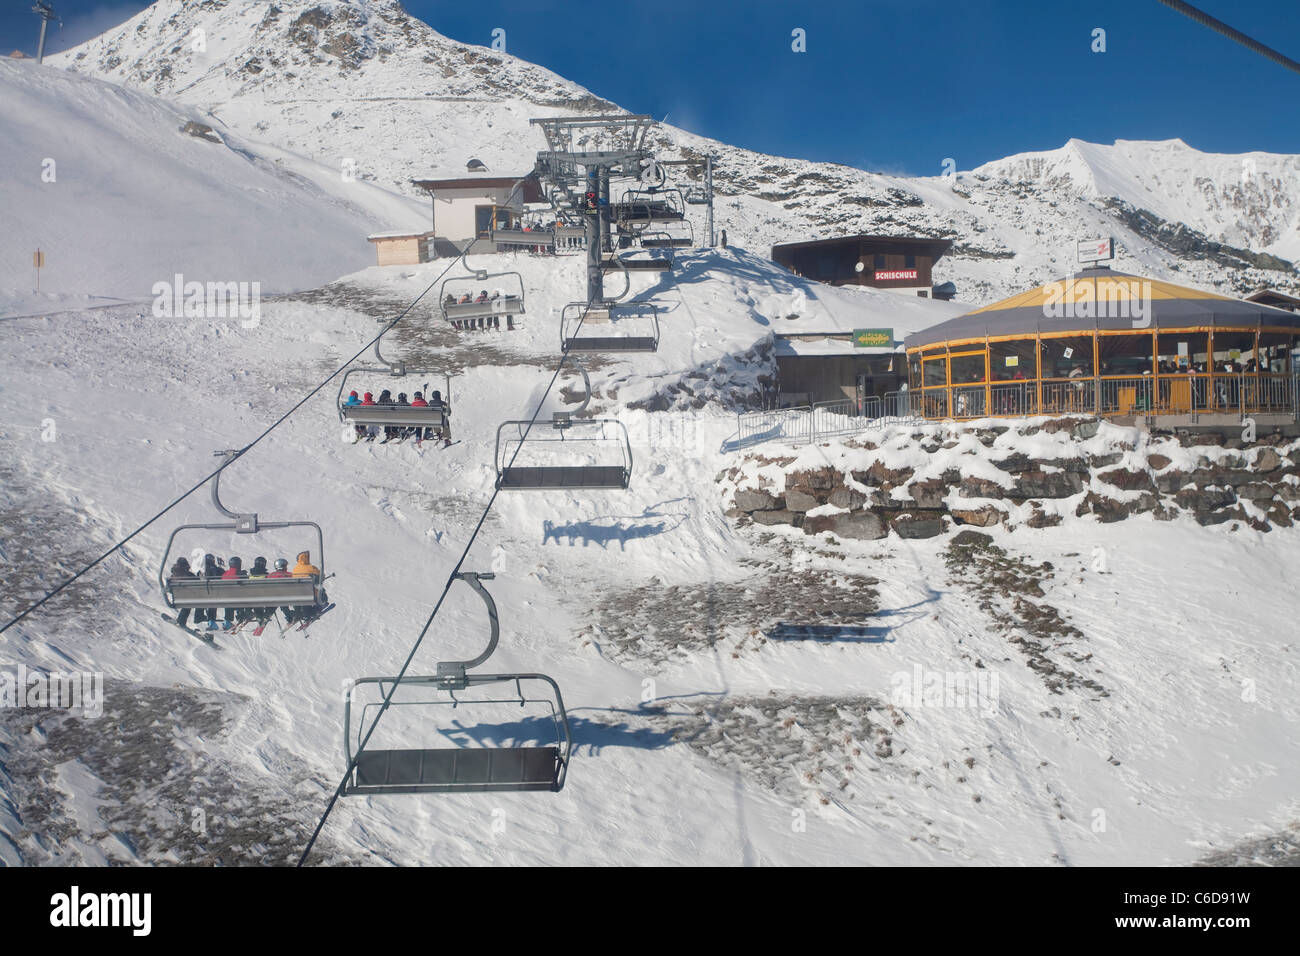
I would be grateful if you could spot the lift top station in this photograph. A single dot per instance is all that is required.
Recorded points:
(583, 154)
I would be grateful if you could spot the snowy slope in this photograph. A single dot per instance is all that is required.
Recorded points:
(650, 594)
(102, 179)
(351, 79)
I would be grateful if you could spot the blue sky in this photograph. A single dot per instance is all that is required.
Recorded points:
(885, 85)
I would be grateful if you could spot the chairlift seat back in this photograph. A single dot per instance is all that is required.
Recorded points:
(408, 416)
(242, 592)
(452, 770)
(505, 305)
(559, 477)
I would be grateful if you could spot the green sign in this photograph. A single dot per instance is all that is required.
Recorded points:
(873, 338)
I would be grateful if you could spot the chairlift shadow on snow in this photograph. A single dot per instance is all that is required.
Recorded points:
(855, 633)
(590, 736)
(603, 530)
(828, 633)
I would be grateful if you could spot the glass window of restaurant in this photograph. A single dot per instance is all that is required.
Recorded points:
(1181, 352)
(935, 370)
(1275, 352)
(1012, 360)
(1127, 355)
(1062, 356)
(968, 368)
(1234, 351)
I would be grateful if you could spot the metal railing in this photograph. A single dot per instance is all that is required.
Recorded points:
(810, 423)
(775, 424)
(1182, 394)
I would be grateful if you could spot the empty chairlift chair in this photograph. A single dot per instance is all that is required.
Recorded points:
(597, 440)
(458, 769)
(583, 329)
(639, 208)
(677, 235)
(238, 593)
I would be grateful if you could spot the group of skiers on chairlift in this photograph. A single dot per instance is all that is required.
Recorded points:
(481, 321)
(213, 568)
(398, 432)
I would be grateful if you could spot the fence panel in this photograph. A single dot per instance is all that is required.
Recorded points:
(775, 424)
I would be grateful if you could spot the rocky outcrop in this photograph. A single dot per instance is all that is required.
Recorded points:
(1209, 479)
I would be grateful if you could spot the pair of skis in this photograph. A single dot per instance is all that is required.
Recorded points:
(207, 636)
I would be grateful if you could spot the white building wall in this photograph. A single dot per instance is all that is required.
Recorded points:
(453, 216)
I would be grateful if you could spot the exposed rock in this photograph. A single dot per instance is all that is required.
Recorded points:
(971, 539)
(1222, 476)
(773, 517)
(845, 497)
(1108, 509)
(1127, 479)
(1200, 438)
(913, 525)
(1207, 499)
(1171, 481)
(1015, 463)
(1105, 461)
(972, 487)
(1041, 519)
(928, 494)
(980, 517)
(1040, 484)
(822, 479)
(796, 500)
(878, 474)
(1267, 460)
(201, 131)
(1159, 462)
(860, 525)
(1255, 491)
(1086, 429)
(750, 500)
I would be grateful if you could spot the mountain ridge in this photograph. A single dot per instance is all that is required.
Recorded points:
(349, 80)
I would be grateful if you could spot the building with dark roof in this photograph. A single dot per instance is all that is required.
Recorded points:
(895, 263)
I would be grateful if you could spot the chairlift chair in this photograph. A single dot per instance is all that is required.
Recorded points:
(566, 428)
(399, 416)
(661, 259)
(576, 315)
(501, 301)
(677, 235)
(223, 593)
(458, 769)
(697, 196)
(638, 208)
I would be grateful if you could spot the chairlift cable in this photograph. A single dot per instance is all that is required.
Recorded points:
(1218, 26)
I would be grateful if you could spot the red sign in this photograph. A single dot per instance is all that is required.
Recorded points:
(883, 276)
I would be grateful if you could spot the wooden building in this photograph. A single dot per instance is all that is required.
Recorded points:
(401, 247)
(1278, 300)
(894, 263)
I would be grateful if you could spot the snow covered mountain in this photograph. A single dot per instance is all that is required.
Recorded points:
(120, 190)
(362, 80)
